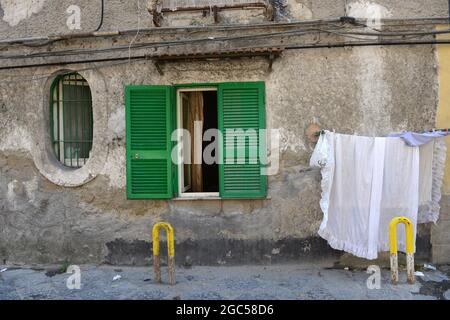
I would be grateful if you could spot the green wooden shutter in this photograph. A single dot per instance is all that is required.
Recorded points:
(149, 128)
(241, 106)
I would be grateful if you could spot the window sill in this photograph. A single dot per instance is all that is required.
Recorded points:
(217, 198)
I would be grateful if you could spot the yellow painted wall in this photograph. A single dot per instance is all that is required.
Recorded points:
(443, 112)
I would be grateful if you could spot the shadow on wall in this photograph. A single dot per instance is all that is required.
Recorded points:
(223, 251)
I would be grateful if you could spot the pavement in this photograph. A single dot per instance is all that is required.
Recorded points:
(299, 282)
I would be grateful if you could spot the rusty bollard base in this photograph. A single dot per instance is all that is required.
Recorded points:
(409, 249)
(170, 248)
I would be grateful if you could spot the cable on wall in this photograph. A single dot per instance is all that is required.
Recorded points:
(102, 13)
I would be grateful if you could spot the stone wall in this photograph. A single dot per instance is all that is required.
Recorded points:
(440, 232)
(28, 18)
(42, 221)
(48, 214)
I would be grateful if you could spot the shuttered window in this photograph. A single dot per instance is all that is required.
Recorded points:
(241, 116)
(149, 165)
(150, 112)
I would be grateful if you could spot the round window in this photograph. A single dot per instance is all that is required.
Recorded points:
(71, 119)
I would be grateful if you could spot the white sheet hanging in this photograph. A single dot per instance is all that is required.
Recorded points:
(426, 173)
(365, 183)
(400, 195)
(432, 165)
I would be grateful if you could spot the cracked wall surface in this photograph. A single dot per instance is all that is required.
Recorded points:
(16, 11)
(43, 17)
(44, 222)
(49, 214)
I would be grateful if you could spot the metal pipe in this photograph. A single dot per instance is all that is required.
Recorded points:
(221, 7)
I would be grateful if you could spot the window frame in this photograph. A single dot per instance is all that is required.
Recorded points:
(172, 104)
(180, 164)
(59, 144)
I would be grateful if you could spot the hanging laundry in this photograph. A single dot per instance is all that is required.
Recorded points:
(365, 183)
(414, 139)
(400, 190)
(433, 151)
(431, 173)
(425, 176)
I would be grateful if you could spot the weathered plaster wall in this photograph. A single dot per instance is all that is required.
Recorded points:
(43, 222)
(50, 214)
(440, 232)
(42, 17)
(28, 18)
(321, 9)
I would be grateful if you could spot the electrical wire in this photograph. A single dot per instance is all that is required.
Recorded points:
(386, 22)
(138, 29)
(228, 38)
(69, 52)
(290, 47)
(400, 37)
(102, 12)
(20, 78)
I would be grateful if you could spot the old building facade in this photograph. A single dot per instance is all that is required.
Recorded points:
(355, 66)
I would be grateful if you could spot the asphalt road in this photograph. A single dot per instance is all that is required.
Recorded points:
(238, 282)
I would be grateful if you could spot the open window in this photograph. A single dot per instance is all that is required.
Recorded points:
(237, 150)
(198, 176)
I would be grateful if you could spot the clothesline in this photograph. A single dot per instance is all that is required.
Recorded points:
(318, 133)
(444, 130)
(367, 181)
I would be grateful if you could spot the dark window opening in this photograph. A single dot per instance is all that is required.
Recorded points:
(210, 171)
(200, 107)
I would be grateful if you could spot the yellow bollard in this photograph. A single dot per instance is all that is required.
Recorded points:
(170, 248)
(409, 249)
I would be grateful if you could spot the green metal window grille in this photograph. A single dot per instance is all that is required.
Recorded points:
(71, 119)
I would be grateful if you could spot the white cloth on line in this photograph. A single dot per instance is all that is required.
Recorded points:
(432, 165)
(426, 172)
(365, 183)
(400, 190)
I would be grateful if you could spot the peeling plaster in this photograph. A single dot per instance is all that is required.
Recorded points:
(298, 10)
(369, 10)
(17, 139)
(115, 168)
(10, 195)
(16, 11)
(343, 89)
(290, 140)
(116, 123)
(31, 187)
(375, 93)
(13, 190)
